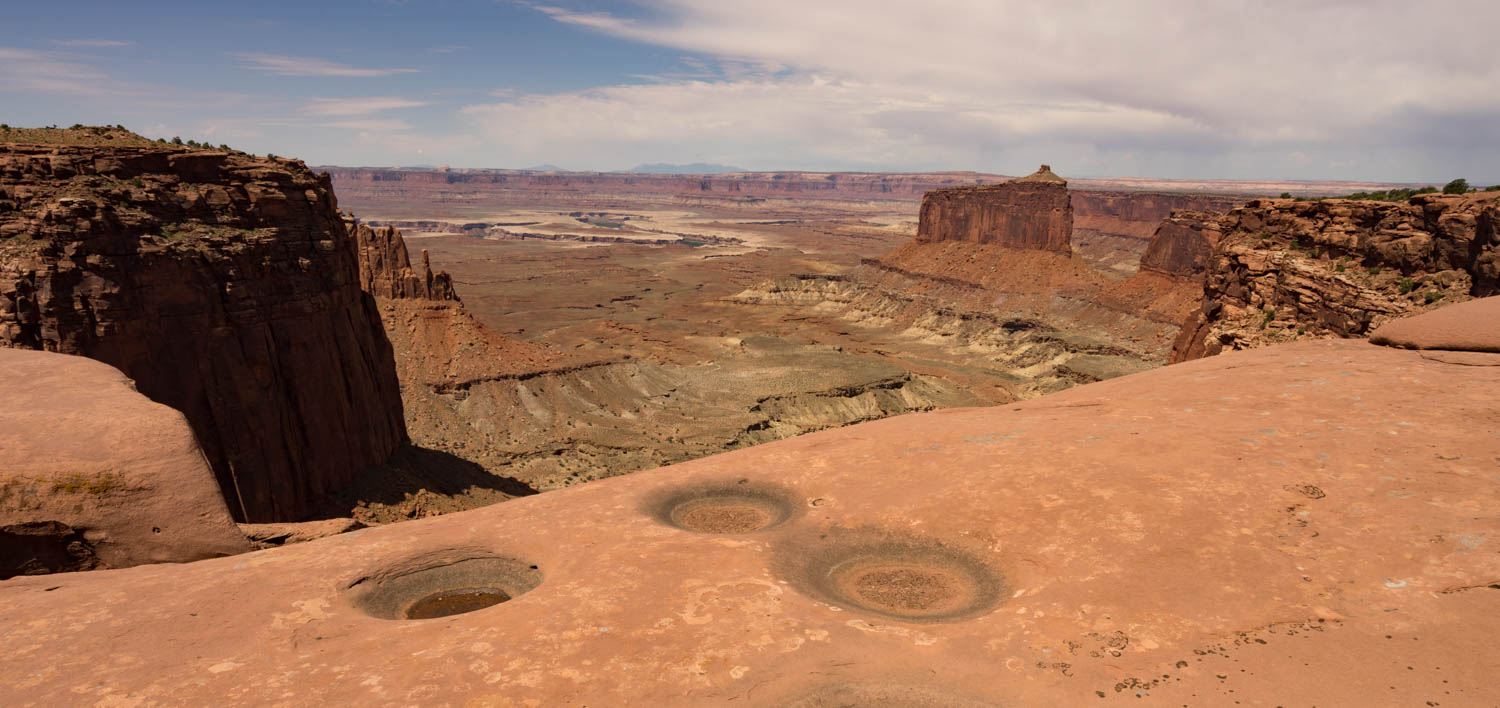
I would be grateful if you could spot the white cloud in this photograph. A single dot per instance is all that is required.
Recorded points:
(371, 125)
(308, 66)
(1166, 85)
(50, 72)
(359, 106)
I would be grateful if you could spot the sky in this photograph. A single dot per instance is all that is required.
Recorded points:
(1236, 89)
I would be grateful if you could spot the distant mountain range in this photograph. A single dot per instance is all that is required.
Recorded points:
(549, 167)
(695, 168)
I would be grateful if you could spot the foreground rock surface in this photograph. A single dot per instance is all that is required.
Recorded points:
(226, 287)
(1471, 326)
(1293, 525)
(95, 475)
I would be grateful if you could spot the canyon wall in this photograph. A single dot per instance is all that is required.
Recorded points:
(225, 286)
(1286, 270)
(1182, 244)
(1137, 214)
(1030, 213)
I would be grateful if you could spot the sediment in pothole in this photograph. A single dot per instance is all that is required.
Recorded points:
(723, 507)
(891, 574)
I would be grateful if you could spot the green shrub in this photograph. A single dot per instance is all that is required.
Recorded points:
(176, 140)
(1374, 270)
(1338, 268)
(1391, 195)
(1433, 297)
(136, 182)
(5, 127)
(1286, 195)
(1458, 186)
(1301, 330)
(1270, 315)
(1403, 285)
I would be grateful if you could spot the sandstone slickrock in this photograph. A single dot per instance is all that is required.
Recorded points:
(95, 475)
(1293, 525)
(1032, 212)
(224, 286)
(1470, 326)
(1340, 268)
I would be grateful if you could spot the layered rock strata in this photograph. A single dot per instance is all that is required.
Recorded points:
(224, 286)
(95, 475)
(1339, 268)
(1032, 213)
(1182, 243)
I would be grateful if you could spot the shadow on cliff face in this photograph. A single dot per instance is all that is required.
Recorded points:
(418, 482)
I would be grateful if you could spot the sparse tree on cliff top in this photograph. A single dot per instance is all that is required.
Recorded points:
(1458, 186)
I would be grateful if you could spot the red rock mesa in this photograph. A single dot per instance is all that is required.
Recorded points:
(1033, 212)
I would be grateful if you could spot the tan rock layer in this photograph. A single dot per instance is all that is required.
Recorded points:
(1340, 268)
(226, 287)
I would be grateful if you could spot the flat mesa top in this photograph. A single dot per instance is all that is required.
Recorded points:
(88, 136)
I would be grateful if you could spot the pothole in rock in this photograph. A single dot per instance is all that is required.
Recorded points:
(891, 575)
(442, 585)
(737, 506)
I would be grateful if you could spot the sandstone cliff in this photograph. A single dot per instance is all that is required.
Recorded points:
(1338, 268)
(225, 286)
(385, 267)
(1032, 212)
(1182, 243)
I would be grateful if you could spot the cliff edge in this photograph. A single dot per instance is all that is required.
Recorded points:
(1286, 270)
(225, 286)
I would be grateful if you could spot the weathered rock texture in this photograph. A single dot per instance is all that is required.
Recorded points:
(1339, 268)
(95, 475)
(226, 287)
(1296, 525)
(1182, 244)
(385, 267)
(1032, 213)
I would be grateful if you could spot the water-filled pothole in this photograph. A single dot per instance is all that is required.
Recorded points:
(892, 575)
(443, 584)
(735, 506)
(454, 602)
